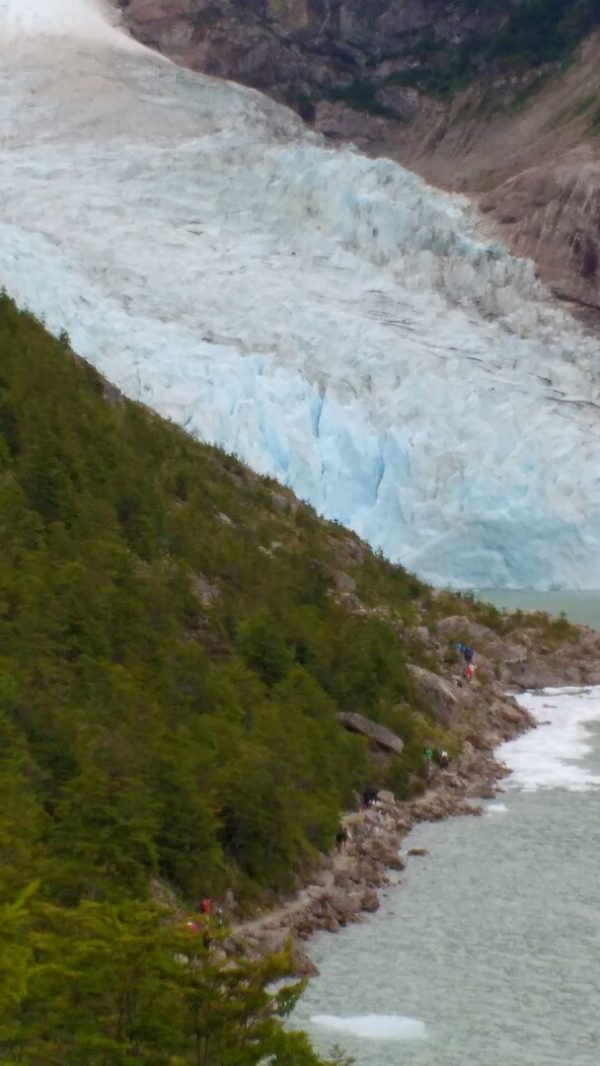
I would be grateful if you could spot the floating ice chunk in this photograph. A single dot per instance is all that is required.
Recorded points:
(374, 1026)
(550, 756)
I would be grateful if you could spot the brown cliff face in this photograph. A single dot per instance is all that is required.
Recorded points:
(307, 50)
(524, 145)
(532, 160)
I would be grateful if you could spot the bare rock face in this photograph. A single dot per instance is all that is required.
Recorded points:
(303, 965)
(552, 213)
(436, 690)
(369, 901)
(523, 660)
(379, 734)
(305, 50)
(529, 152)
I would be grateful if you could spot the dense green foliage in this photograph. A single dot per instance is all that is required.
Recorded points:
(171, 655)
(114, 985)
(172, 658)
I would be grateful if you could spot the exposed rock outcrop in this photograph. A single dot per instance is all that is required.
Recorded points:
(538, 654)
(308, 49)
(441, 692)
(379, 734)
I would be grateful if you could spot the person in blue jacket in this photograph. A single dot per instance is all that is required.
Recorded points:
(467, 653)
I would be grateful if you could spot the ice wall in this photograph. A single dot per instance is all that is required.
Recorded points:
(330, 318)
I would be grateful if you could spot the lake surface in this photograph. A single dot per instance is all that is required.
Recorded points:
(488, 953)
(582, 607)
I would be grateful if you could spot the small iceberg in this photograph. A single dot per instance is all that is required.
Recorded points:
(374, 1026)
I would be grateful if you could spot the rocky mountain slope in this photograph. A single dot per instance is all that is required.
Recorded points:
(500, 101)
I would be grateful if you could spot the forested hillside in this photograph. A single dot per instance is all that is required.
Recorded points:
(176, 638)
(172, 651)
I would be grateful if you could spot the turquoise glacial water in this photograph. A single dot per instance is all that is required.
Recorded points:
(582, 607)
(488, 952)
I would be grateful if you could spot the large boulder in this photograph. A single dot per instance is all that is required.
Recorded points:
(436, 690)
(379, 734)
(485, 641)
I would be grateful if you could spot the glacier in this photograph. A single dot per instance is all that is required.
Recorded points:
(329, 318)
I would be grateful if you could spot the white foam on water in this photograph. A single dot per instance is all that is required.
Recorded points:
(496, 808)
(374, 1026)
(551, 756)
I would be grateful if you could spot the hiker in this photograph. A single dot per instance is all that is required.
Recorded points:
(370, 794)
(467, 653)
(341, 838)
(205, 906)
(443, 759)
(468, 672)
(428, 754)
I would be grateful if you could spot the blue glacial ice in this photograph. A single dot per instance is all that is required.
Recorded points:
(331, 319)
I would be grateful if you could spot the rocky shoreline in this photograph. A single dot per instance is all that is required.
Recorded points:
(344, 886)
(344, 889)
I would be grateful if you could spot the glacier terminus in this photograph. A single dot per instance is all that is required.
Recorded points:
(330, 318)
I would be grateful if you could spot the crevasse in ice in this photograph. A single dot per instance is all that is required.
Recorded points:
(330, 318)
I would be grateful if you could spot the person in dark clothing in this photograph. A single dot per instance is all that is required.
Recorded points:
(467, 653)
(370, 794)
(341, 838)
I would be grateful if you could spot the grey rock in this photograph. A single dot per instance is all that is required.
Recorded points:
(436, 690)
(380, 734)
